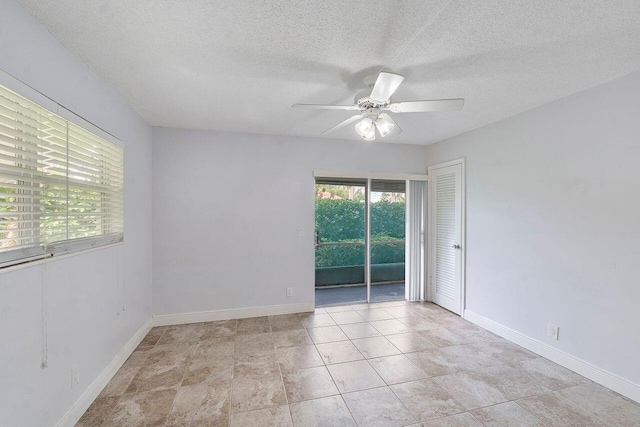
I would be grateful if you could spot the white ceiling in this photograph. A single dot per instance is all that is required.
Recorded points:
(238, 65)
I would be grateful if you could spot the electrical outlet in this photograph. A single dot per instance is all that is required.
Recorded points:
(553, 332)
(300, 233)
(75, 375)
(289, 292)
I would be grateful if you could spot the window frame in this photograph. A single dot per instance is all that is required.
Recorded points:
(25, 254)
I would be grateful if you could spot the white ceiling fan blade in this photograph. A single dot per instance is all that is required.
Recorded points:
(385, 86)
(343, 124)
(426, 106)
(326, 107)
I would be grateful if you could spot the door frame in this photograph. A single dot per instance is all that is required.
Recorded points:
(367, 238)
(463, 232)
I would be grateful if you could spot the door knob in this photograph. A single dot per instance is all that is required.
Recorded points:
(456, 246)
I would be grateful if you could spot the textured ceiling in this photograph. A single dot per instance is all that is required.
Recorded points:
(239, 65)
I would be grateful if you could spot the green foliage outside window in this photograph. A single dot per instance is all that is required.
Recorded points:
(7, 195)
(339, 220)
(53, 214)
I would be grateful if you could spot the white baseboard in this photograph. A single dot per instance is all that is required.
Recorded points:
(74, 413)
(234, 313)
(582, 367)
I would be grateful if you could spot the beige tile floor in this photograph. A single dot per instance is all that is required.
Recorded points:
(384, 364)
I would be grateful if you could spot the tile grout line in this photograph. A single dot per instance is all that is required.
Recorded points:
(516, 402)
(233, 371)
(405, 406)
(284, 388)
(184, 373)
(336, 385)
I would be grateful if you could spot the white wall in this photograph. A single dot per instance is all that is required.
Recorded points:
(553, 229)
(226, 208)
(85, 291)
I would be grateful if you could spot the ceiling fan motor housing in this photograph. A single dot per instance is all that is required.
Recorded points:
(372, 113)
(363, 101)
(362, 96)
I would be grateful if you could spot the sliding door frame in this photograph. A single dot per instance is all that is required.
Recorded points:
(367, 238)
(368, 177)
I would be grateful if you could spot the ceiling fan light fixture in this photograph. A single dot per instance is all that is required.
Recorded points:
(366, 129)
(384, 124)
(371, 136)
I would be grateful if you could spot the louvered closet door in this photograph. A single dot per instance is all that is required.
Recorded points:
(446, 234)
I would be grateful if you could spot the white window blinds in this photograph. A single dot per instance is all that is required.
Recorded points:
(61, 186)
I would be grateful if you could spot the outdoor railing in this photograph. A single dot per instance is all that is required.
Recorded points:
(342, 263)
(384, 242)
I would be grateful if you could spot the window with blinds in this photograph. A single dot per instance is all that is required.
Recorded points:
(61, 186)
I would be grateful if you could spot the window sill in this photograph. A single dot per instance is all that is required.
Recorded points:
(51, 259)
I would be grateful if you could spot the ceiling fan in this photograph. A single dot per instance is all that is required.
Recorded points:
(371, 103)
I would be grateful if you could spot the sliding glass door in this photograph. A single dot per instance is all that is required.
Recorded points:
(387, 240)
(340, 242)
(360, 240)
